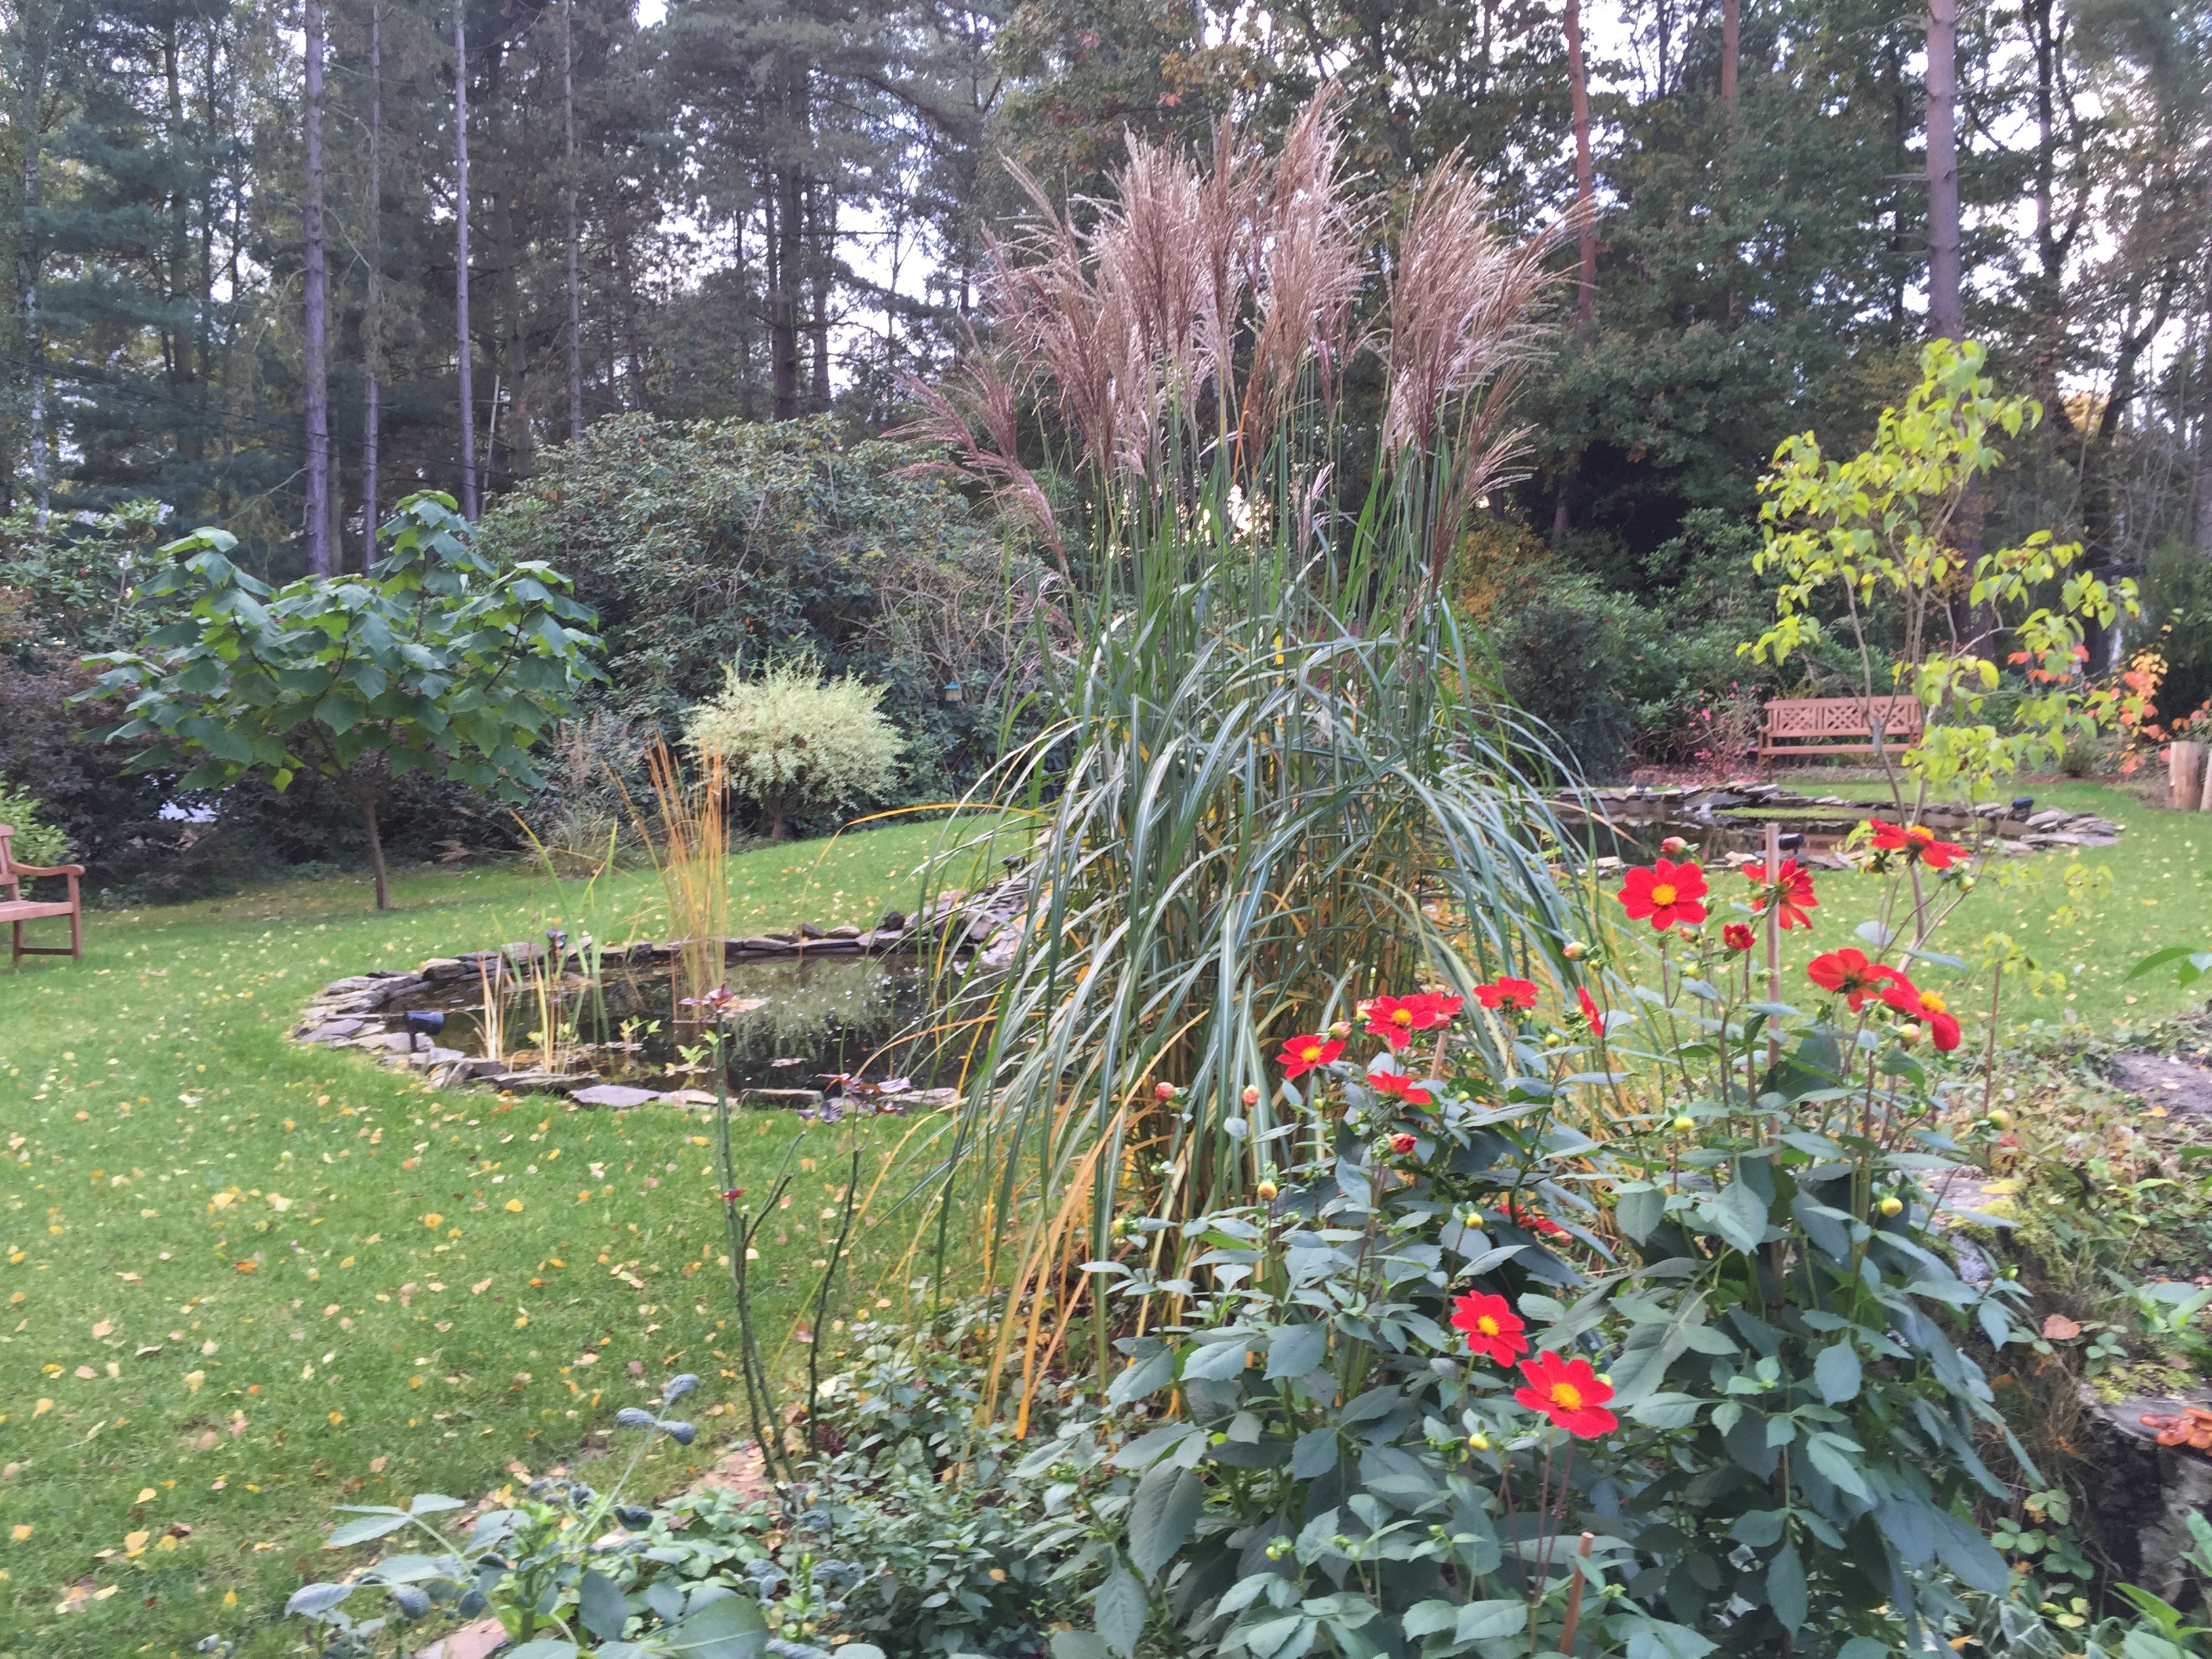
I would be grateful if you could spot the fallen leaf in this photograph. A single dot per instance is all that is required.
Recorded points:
(146, 1495)
(2057, 1328)
(376, 1465)
(103, 1328)
(134, 1543)
(192, 1380)
(19, 1534)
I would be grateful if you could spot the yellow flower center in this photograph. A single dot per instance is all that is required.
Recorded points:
(1566, 1396)
(1402, 1016)
(1663, 893)
(1312, 1051)
(1487, 1324)
(1932, 1003)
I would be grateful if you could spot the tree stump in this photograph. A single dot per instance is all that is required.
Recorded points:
(2184, 764)
(2140, 1494)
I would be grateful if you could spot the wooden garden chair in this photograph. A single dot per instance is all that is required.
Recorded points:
(16, 909)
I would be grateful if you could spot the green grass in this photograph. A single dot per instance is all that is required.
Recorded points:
(153, 1081)
(247, 1280)
(2152, 890)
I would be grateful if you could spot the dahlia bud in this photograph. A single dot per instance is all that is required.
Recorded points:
(1574, 949)
(1266, 1190)
(1340, 1029)
(1279, 1548)
(1674, 847)
(2000, 1118)
(1251, 1094)
(1478, 1441)
(1685, 1123)
(1403, 1144)
(1908, 1034)
(1163, 1091)
(1892, 1205)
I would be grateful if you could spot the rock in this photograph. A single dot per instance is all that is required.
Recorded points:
(382, 1041)
(894, 922)
(789, 1100)
(439, 969)
(336, 1030)
(477, 1641)
(688, 1097)
(558, 1083)
(847, 932)
(766, 944)
(424, 1060)
(810, 930)
(831, 947)
(620, 1095)
(2049, 816)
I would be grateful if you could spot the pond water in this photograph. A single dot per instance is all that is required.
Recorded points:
(797, 1023)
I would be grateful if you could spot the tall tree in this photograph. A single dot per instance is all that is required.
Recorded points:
(1946, 313)
(568, 200)
(463, 341)
(315, 307)
(372, 321)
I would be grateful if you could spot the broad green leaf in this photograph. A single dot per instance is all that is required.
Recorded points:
(1161, 1516)
(1836, 1373)
(1121, 1607)
(1484, 1621)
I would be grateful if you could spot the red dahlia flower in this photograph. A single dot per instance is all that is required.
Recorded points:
(1917, 842)
(1397, 1083)
(1791, 891)
(1569, 1393)
(1515, 995)
(1666, 893)
(1534, 1221)
(1590, 1013)
(1302, 1054)
(1493, 1329)
(1394, 1019)
(1928, 1008)
(1848, 973)
(1737, 937)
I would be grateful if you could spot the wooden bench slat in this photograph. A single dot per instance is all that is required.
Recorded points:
(16, 909)
(27, 909)
(1797, 725)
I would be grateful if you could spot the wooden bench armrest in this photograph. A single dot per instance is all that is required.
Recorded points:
(15, 869)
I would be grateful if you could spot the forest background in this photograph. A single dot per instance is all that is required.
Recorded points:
(705, 249)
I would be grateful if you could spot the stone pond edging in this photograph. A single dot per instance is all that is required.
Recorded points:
(346, 1013)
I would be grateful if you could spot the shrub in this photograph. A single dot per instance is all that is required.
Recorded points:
(35, 841)
(794, 742)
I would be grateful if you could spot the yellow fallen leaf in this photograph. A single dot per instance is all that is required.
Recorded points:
(480, 1287)
(230, 1598)
(434, 1219)
(146, 1495)
(166, 1541)
(514, 1204)
(102, 1329)
(42, 1408)
(19, 1534)
(192, 1380)
(279, 1203)
(134, 1543)
(336, 1418)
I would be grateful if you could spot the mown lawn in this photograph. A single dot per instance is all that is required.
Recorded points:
(2152, 890)
(245, 1281)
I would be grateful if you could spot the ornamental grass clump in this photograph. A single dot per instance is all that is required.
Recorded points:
(1273, 777)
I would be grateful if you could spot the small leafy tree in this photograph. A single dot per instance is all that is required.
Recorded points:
(439, 660)
(1875, 538)
(792, 740)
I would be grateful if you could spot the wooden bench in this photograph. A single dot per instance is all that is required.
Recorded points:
(1837, 726)
(16, 909)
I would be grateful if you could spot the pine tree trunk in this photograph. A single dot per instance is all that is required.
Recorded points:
(508, 161)
(372, 322)
(575, 286)
(1585, 172)
(461, 263)
(1731, 50)
(825, 242)
(2204, 490)
(317, 394)
(30, 123)
(783, 298)
(1947, 316)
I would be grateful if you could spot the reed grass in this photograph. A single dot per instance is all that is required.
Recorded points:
(1278, 777)
(691, 854)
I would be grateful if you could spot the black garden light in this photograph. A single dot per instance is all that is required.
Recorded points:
(2022, 805)
(1794, 841)
(422, 1022)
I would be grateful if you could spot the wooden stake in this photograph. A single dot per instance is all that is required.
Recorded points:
(1575, 1595)
(1773, 933)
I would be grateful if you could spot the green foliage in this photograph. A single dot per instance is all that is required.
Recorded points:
(35, 841)
(794, 742)
(1879, 531)
(699, 545)
(439, 661)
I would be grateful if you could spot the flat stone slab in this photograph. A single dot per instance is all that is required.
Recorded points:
(2184, 1089)
(336, 1030)
(790, 1100)
(619, 1096)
